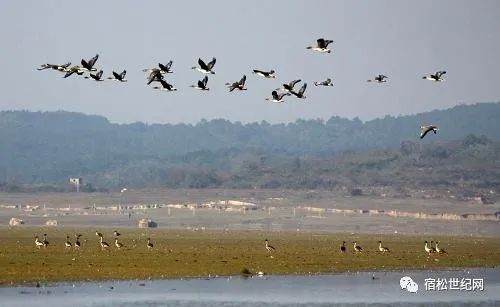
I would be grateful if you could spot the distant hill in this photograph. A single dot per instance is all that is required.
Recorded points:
(45, 148)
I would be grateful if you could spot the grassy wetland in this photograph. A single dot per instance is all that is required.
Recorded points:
(202, 253)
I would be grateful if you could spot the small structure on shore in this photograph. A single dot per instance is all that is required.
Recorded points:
(147, 223)
(15, 221)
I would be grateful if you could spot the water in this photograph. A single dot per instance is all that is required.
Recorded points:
(350, 289)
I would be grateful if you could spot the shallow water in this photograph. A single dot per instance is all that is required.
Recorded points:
(350, 289)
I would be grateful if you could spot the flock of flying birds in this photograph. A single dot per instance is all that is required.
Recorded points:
(157, 75)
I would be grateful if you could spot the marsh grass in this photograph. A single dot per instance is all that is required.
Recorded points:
(199, 254)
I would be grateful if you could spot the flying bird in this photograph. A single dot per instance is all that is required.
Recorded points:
(265, 74)
(300, 93)
(327, 82)
(238, 85)
(378, 79)
(437, 77)
(321, 45)
(288, 87)
(201, 85)
(155, 75)
(205, 68)
(278, 97)
(89, 65)
(74, 69)
(426, 129)
(63, 67)
(119, 77)
(166, 68)
(96, 77)
(165, 86)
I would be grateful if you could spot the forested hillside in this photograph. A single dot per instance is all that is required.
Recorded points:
(44, 149)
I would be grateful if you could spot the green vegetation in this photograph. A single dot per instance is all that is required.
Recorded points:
(187, 253)
(40, 151)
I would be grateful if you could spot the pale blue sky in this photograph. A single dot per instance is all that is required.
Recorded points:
(402, 39)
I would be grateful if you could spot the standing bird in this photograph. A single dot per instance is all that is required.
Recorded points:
(38, 243)
(165, 86)
(119, 77)
(45, 241)
(378, 79)
(382, 248)
(238, 85)
(77, 241)
(439, 250)
(277, 97)
(67, 244)
(63, 67)
(205, 68)
(343, 248)
(357, 248)
(433, 248)
(327, 82)
(300, 94)
(149, 244)
(269, 248)
(437, 77)
(104, 245)
(96, 77)
(89, 65)
(118, 245)
(321, 45)
(201, 85)
(427, 249)
(426, 129)
(265, 74)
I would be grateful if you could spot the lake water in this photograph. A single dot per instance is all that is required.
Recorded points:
(348, 289)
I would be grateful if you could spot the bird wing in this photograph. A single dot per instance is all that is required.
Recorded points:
(66, 65)
(280, 96)
(258, 71)
(292, 83)
(328, 81)
(425, 130)
(85, 64)
(162, 67)
(122, 75)
(275, 95)
(69, 73)
(211, 64)
(302, 89)
(93, 60)
(164, 83)
(205, 81)
(327, 42)
(99, 74)
(169, 64)
(116, 75)
(202, 65)
(243, 80)
(321, 43)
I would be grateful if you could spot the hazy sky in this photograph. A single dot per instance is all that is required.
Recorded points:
(402, 39)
